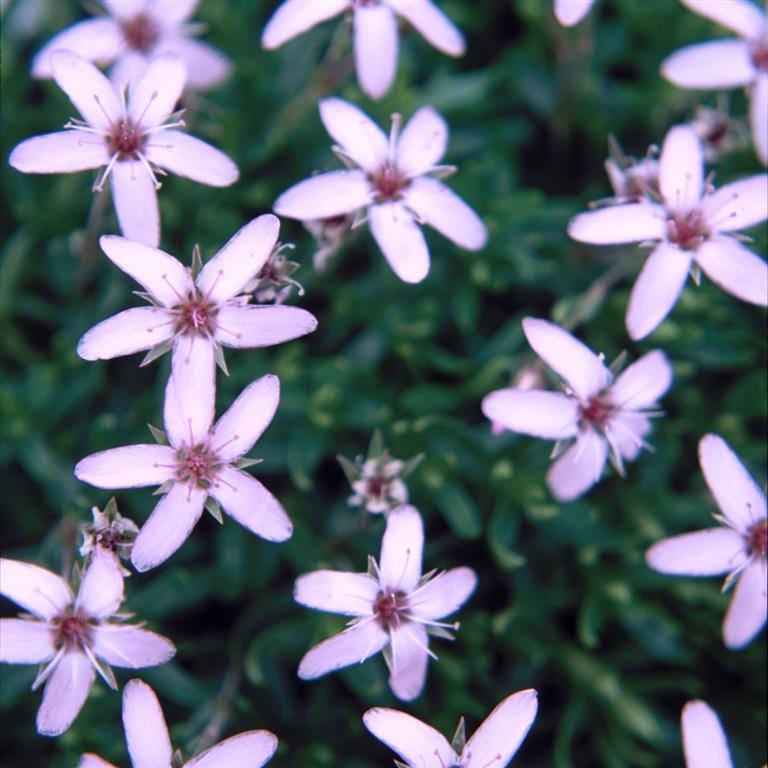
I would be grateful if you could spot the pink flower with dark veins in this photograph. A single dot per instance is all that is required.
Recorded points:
(73, 637)
(704, 742)
(133, 141)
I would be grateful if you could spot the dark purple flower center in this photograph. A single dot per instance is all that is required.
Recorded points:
(389, 182)
(125, 140)
(140, 32)
(72, 631)
(196, 316)
(688, 231)
(760, 54)
(757, 539)
(596, 412)
(377, 486)
(364, 3)
(389, 607)
(196, 466)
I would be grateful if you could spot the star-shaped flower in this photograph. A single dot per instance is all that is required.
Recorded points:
(570, 12)
(132, 141)
(394, 608)
(201, 461)
(375, 32)
(149, 746)
(603, 414)
(738, 547)
(691, 230)
(704, 742)
(393, 181)
(72, 636)
(132, 34)
(493, 744)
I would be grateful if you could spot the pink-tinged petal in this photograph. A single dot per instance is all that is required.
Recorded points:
(325, 196)
(736, 493)
(125, 333)
(749, 606)
(422, 142)
(294, 17)
(401, 240)
(375, 31)
(246, 419)
(351, 594)
(502, 732)
(35, 589)
(574, 362)
(131, 647)
(250, 326)
(409, 661)
(190, 394)
(435, 204)
(157, 92)
(550, 415)
(705, 66)
(432, 24)
(735, 268)
(710, 552)
(656, 290)
(168, 527)
(681, 169)
(416, 742)
(625, 433)
(191, 158)
(98, 40)
(357, 135)
(579, 468)
(101, 590)
(401, 550)
(25, 642)
(62, 152)
(248, 502)
(240, 259)
(742, 16)
(124, 10)
(91, 93)
(617, 224)
(145, 730)
(65, 693)
(251, 749)
(131, 466)
(642, 383)
(206, 65)
(738, 205)
(443, 594)
(353, 646)
(129, 68)
(704, 742)
(175, 13)
(758, 116)
(135, 199)
(570, 12)
(94, 761)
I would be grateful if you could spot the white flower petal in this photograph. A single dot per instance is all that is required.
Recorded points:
(294, 17)
(93, 761)
(65, 693)
(125, 10)
(173, 14)
(251, 326)
(570, 12)
(206, 65)
(749, 606)
(98, 40)
(155, 96)
(360, 138)
(704, 742)
(502, 732)
(401, 549)
(409, 661)
(25, 642)
(63, 152)
(618, 224)
(375, 32)
(135, 199)
(705, 66)
(125, 333)
(656, 289)
(741, 16)
(250, 749)
(758, 116)
(191, 158)
(735, 269)
(443, 594)
(101, 590)
(738, 205)
(736, 493)
(351, 594)
(131, 466)
(145, 730)
(325, 196)
(422, 143)
(642, 383)
(400, 239)
(625, 433)
(129, 68)
(550, 415)
(436, 28)
(131, 647)
(681, 169)
(710, 552)
(35, 589)
(190, 394)
(579, 468)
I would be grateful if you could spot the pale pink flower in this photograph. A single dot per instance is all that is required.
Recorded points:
(729, 63)
(704, 742)
(394, 608)
(570, 12)
(604, 415)
(201, 461)
(133, 33)
(738, 547)
(195, 316)
(72, 637)
(394, 181)
(375, 32)
(493, 744)
(132, 141)
(691, 230)
(149, 745)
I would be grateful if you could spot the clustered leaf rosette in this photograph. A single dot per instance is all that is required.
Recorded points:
(73, 637)
(375, 32)
(737, 548)
(200, 468)
(494, 743)
(133, 141)
(149, 745)
(606, 416)
(704, 741)
(132, 34)
(394, 606)
(394, 181)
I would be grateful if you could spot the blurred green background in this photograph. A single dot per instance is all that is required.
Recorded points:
(565, 602)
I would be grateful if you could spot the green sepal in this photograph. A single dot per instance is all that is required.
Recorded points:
(160, 437)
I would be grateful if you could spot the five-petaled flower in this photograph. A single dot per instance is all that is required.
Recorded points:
(132, 141)
(394, 608)
(737, 548)
(603, 414)
(149, 745)
(493, 744)
(201, 461)
(704, 742)
(375, 32)
(72, 636)
(394, 181)
(691, 230)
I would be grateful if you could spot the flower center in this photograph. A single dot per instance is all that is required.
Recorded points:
(596, 412)
(760, 54)
(688, 231)
(377, 486)
(125, 140)
(389, 607)
(140, 32)
(388, 182)
(757, 539)
(364, 3)
(196, 466)
(72, 631)
(196, 316)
